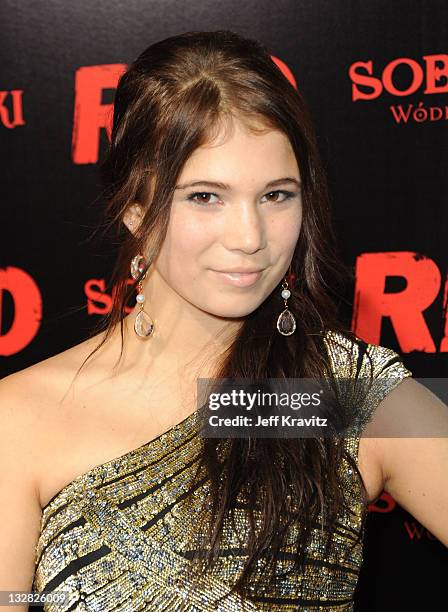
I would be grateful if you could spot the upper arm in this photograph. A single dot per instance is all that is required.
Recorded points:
(415, 460)
(20, 511)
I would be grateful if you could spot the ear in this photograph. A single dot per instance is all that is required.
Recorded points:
(133, 217)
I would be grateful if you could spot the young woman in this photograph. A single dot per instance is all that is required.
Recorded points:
(111, 496)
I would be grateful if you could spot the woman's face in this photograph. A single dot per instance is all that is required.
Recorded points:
(246, 222)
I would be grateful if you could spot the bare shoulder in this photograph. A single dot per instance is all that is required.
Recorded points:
(32, 404)
(25, 401)
(18, 422)
(28, 419)
(27, 396)
(48, 374)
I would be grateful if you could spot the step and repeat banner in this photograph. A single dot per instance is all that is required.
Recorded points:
(375, 75)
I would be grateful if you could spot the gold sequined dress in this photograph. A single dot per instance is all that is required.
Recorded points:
(116, 537)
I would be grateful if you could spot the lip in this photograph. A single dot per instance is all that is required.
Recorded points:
(238, 279)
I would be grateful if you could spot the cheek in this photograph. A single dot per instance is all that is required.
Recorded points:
(284, 233)
(184, 244)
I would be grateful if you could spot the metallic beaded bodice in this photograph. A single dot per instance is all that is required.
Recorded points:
(118, 537)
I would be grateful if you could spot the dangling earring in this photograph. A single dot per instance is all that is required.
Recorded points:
(143, 324)
(286, 323)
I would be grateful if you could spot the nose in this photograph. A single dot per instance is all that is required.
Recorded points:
(244, 229)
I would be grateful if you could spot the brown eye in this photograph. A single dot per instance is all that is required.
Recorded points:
(287, 195)
(201, 200)
(276, 193)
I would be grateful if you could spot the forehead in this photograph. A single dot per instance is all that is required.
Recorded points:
(237, 150)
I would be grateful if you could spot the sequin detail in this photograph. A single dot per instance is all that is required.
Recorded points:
(119, 536)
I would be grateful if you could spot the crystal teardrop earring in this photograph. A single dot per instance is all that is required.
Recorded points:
(286, 323)
(143, 324)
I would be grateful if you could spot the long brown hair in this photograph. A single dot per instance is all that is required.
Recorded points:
(171, 100)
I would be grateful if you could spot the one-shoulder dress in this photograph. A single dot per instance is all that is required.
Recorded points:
(118, 536)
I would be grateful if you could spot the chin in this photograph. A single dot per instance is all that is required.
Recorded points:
(233, 312)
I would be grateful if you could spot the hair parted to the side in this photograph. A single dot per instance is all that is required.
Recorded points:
(173, 98)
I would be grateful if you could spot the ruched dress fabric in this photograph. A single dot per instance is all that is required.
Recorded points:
(118, 536)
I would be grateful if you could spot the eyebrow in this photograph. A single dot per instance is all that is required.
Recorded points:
(224, 186)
